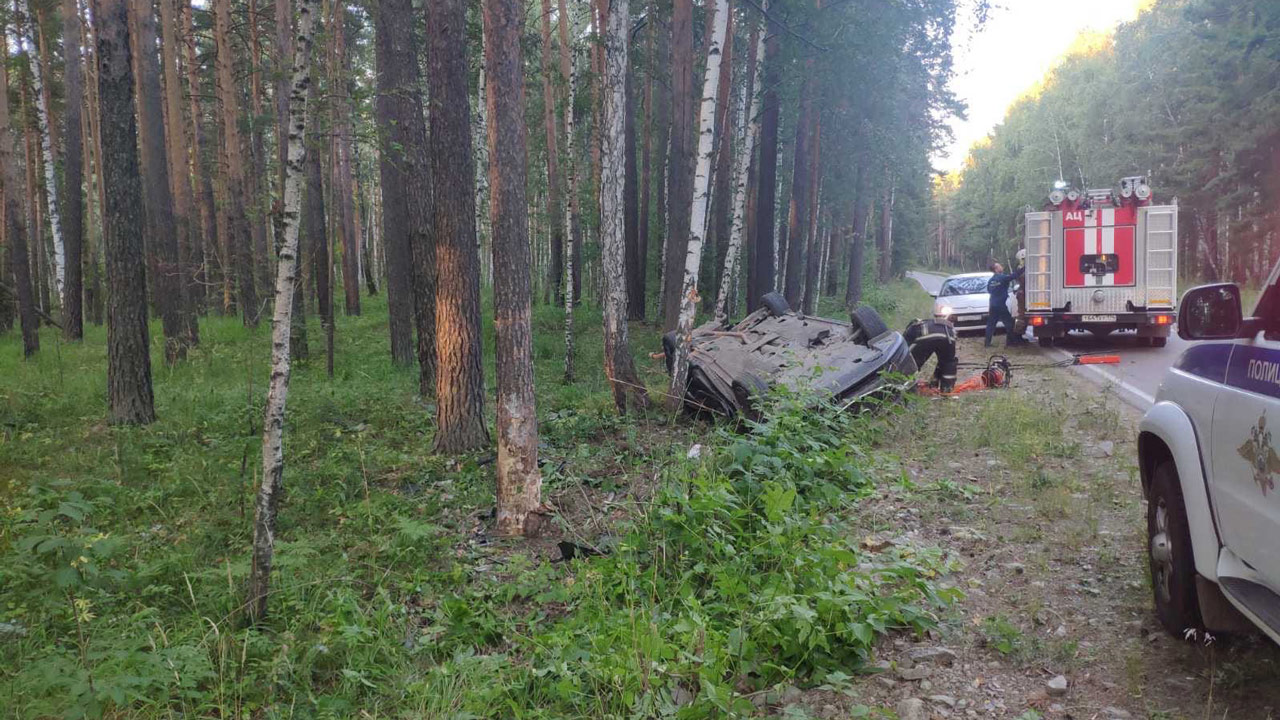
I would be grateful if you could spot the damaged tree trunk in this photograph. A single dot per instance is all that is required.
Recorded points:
(698, 218)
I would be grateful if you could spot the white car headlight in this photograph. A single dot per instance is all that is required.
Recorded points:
(943, 310)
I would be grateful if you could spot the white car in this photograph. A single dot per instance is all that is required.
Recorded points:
(1209, 454)
(964, 302)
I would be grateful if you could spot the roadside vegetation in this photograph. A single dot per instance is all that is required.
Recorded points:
(728, 570)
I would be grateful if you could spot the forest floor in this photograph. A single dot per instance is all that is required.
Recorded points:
(960, 553)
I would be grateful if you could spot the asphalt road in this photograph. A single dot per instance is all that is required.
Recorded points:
(1137, 377)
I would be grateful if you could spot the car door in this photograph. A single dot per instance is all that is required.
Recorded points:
(1246, 445)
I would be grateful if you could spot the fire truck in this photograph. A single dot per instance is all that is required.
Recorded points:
(1101, 260)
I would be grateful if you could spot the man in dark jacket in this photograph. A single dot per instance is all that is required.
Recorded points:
(998, 312)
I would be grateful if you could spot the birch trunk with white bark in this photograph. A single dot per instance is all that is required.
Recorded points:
(570, 208)
(25, 45)
(701, 199)
(268, 501)
(618, 364)
(745, 151)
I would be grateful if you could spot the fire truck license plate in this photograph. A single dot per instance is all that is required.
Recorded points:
(1097, 318)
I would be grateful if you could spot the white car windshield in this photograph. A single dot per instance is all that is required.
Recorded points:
(964, 286)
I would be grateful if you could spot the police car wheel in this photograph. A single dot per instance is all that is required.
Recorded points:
(1173, 572)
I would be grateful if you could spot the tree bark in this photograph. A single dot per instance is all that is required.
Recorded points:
(460, 379)
(886, 231)
(268, 500)
(398, 303)
(637, 289)
(315, 228)
(574, 233)
(519, 491)
(129, 393)
(745, 151)
(813, 252)
(553, 160)
(698, 217)
(798, 214)
(616, 164)
(857, 246)
(680, 186)
(15, 234)
(44, 116)
(179, 177)
(631, 207)
(571, 229)
(396, 85)
(73, 175)
(203, 181)
(233, 150)
(163, 235)
(767, 173)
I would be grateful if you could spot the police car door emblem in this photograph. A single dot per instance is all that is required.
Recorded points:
(1261, 455)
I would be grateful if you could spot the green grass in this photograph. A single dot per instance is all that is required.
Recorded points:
(123, 551)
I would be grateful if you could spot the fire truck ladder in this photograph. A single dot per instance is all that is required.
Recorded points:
(1039, 263)
(1162, 243)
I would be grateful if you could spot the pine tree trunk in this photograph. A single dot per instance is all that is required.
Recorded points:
(886, 231)
(203, 181)
(680, 186)
(519, 491)
(163, 235)
(314, 226)
(39, 70)
(618, 364)
(399, 307)
(554, 179)
(129, 393)
(395, 106)
(698, 217)
(268, 501)
(460, 378)
(73, 175)
(813, 251)
(15, 230)
(179, 177)
(240, 241)
(857, 246)
(798, 213)
(637, 290)
(745, 151)
(767, 173)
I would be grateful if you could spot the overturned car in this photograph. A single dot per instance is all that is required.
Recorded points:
(732, 366)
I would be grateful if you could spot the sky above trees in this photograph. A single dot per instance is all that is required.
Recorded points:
(1017, 46)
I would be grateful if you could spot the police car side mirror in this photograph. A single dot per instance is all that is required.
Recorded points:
(1210, 312)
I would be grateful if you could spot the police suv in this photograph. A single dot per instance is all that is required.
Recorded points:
(1209, 452)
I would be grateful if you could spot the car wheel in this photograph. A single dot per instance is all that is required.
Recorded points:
(1159, 341)
(1045, 342)
(1173, 572)
(776, 304)
(867, 324)
(669, 350)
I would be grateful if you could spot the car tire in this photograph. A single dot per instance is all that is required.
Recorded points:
(867, 324)
(669, 350)
(776, 304)
(1159, 342)
(1173, 572)
(1045, 342)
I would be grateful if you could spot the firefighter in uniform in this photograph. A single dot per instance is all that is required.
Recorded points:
(934, 338)
(998, 310)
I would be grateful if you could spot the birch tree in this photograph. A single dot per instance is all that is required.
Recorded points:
(618, 364)
(519, 491)
(702, 197)
(268, 501)
(571, 257)
(745, 151)
(73, 174)
(25, 42)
